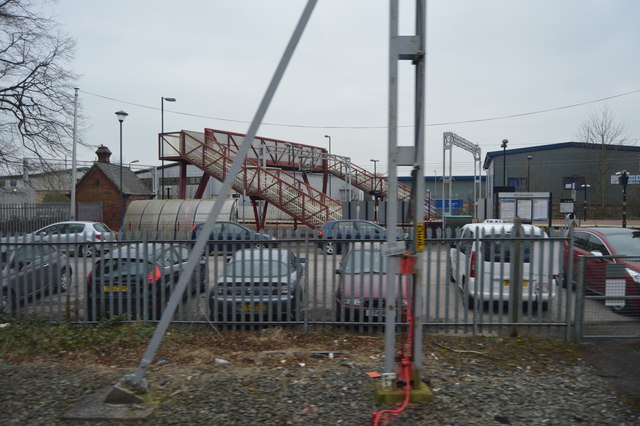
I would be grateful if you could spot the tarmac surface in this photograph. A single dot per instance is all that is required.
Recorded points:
(616, 360)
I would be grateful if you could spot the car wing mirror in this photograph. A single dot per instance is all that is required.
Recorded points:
(596, 253)
(302, 260)
(339, 271)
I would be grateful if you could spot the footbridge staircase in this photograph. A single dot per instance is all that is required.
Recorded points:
(268, 171)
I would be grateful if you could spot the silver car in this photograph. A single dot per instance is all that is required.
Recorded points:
(29, 271)
(77, 238)
(261, 284)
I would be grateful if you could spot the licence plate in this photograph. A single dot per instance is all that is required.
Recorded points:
(524, 283)
(115, 288)
(374, 312)
(251, 307)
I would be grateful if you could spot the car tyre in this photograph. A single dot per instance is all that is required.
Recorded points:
(7, 300)
(87, 251)
(64, 280)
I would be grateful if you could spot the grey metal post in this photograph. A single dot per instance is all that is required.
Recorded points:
(420, 106)
(392, 203)
(516, 278)
(579, 299)
(74, 173)
(135, 383)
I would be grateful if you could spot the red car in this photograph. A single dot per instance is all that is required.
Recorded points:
(606, 247)
(362, 285)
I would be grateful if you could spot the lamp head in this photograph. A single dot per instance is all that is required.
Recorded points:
(504, 143)
(121, 115)
(169, 99)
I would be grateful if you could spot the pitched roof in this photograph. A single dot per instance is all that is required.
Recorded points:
(131, 183)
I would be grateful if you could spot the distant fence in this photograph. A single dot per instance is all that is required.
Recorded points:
(22, 218)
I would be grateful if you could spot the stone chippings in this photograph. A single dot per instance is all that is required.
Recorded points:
(338, 392)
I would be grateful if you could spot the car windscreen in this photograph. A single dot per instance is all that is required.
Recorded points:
(627, 244)
(109, 268)
(365, 261)
(256, 268)
(500, 250)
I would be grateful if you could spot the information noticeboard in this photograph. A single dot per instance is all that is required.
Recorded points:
(529, 206)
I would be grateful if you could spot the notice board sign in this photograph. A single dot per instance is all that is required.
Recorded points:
(529, 206)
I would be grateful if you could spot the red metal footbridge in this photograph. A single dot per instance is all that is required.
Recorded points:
(268, 172)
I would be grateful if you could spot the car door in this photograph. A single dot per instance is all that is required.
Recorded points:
(595, 273)
(27, 272)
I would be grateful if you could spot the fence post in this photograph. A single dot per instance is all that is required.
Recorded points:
(579, 300)
(516, 279)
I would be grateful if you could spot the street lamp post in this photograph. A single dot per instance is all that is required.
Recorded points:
(529, 157)
(374, 191)
(585, 186)
(121, 116)
(504, 161)
(329, 137)
(624, 180)
(162, 99)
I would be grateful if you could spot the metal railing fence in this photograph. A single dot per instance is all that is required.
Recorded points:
(132, 279)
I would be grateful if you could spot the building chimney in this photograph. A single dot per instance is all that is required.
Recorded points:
(103, 154)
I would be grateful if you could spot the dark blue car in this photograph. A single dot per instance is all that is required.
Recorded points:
(348, 229)
(231, 236)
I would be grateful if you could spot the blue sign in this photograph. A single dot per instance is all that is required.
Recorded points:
(456, 206)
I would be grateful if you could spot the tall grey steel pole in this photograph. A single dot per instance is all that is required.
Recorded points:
(74, 172)
(135, 384)
(121, 116)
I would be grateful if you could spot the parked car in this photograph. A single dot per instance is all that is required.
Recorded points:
(78, 238)
(362, 284)
(347, 229)
(231, 236)
(30, 271)
(259, 284)
(603, 247)
(481, 263)
(138, 279)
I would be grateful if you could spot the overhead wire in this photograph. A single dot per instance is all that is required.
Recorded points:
(446, 123)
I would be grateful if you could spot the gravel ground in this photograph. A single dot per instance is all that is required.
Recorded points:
(474, 381)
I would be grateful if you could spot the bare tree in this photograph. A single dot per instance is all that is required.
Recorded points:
(605, 134)
(36, 85)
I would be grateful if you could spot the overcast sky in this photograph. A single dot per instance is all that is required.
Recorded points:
(485, 59)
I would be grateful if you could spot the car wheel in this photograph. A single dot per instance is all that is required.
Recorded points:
(63, 281)
(451, 277)
(329, 248)
(87, 251)
(258, 245)
(8, 303)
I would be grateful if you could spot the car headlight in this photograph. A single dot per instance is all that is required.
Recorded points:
(635, 275)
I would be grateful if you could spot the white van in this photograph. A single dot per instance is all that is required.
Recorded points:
(481, 263)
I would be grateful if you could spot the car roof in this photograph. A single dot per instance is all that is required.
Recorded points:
(608, 230)
(498, 228)
(366, 245)
(264, 253)
(137, 251)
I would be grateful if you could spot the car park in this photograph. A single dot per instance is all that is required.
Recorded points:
(260, 284)
(29, 271)
(608, 249)
(138, 280)
(482, 263)
(335, 234)
(231, 236)
(362, 284)
(77, 237)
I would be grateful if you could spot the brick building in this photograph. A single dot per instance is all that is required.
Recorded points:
(100, 185)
